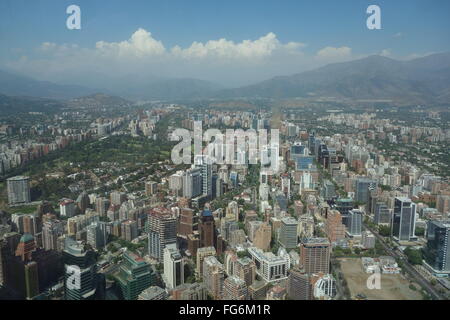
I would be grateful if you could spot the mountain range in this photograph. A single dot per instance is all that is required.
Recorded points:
(422, 80)
(418, 81)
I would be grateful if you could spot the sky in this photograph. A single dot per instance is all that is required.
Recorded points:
(230, 42)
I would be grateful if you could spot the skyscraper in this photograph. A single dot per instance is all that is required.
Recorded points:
(382, 214)
(173, 267)
(299, 285)
(245, 269)
(67, 208)
(288, 233)
(18, 190)
(206, 229)
(353, 221)
(334, 227)
(205, 165)
(192, 183)
(101, 206)
(162, 231)
(51, 230)
(187, 222)
(202, 253)
(213, 276)
(363, 187)
(315, 255)
(96, 234)
(117, 198)
(404, 222)
(151, 187)
(129, 230)
(134, 276)
(81, 281)
(263, 237)
(83, 202)
(437, 251)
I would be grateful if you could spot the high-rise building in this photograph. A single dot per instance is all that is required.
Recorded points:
(382, 214)
(353, 222)
(269, 266)
(102, 205)
(173, 267)
(67, 208)
(206, 229)
(129, 230)
(176, 183)
(187, 222)
(315, 255)
(437, 251)
(443, 203)
(151, 188)
(328, 191)
(18, 190)
(162, 231)
(234, 288)
(404, 221)
(363, 187)
(26, 223)
(286, 185)
(51, 230)
(83, 202)
(344, 205)
(245, 269)
(96, 234)
(299, 285)
(213, 276)
(324, 286)
(288, 233)
(263, 237)
(192, 183)
(81, 282)
(26, 247)
(205, 165)
(117, 198)
(134, 276)
(334, 227)
(202, 253)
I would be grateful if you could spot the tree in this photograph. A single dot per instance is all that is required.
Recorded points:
(384, 231)
(420, 231)
(414, 255)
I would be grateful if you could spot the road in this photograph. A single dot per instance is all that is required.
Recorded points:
(409, 268)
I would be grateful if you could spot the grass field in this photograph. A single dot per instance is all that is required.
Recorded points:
(393, 286)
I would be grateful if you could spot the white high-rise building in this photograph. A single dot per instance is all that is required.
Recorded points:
(173, 267)
(192, 183)
(67, 208)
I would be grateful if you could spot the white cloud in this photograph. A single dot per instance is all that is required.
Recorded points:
(334, 54)
(140, 44)
(222, 60)
(386, 53)
(397, 35)
(247, 49)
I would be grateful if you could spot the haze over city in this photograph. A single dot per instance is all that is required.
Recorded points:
(209, 151)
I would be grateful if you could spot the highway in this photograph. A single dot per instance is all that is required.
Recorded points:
(409, 268)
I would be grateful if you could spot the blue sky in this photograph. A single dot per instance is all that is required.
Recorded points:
(409, 28)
